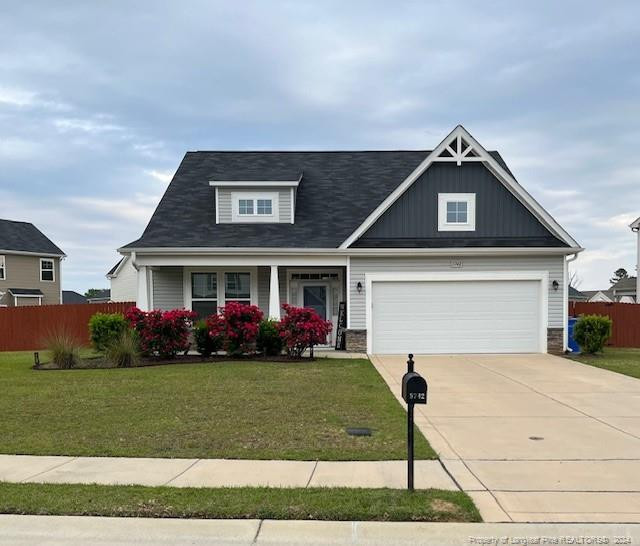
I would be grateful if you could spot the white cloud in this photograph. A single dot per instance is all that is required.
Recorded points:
(86, 125)
(162, 176)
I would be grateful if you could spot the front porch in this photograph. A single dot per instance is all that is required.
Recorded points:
(205, 288)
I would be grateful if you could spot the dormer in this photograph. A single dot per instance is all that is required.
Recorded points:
(255, 201)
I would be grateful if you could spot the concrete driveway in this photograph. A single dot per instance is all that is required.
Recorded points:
(534, 438)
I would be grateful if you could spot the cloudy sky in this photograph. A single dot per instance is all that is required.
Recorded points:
(99, 102)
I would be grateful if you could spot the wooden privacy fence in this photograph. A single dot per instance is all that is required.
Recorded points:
(625, 317)
(27, 328)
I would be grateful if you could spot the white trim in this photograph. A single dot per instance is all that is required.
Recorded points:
(236, 217)
(444, 199)
(274, 293)
(242, 261)
(293, 205)
(217, 206)
(25, 253)
(348, 300)
(53, 269)
(255, 183)
(117, 270)
(339, 253)
(3, 265)
(509, 182)
(542, 276)
(142, 293)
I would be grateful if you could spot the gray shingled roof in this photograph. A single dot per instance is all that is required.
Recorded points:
(25, 237)
(71, 296)
(26, 292)
(625, 284)
(337, 192)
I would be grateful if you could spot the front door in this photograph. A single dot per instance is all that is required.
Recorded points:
(315, 297)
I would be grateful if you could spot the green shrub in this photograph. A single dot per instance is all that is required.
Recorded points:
(105, 329)
(64, 348)
(269, 341)
(206, 342)
(124, 352)
(591, 332)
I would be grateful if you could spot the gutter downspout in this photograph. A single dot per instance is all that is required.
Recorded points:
(565, 329)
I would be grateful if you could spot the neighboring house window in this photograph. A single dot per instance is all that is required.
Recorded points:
(47, 272)
(237, 287)
(254, 207)
(456, 211)
(3, 269)
(204, 294)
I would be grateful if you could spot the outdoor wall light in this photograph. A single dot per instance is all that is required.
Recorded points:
(555, 285)
(359, 287)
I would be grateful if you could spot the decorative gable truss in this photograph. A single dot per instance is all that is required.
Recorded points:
(460, 147)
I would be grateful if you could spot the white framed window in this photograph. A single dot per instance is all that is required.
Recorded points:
(3, 269)
(456, 212)
(254, 207)
(237, 287)
(204, 293)
(208, 289)
(47, 270)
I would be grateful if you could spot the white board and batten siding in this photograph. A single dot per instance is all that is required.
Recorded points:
(476, 313)
(225, 203)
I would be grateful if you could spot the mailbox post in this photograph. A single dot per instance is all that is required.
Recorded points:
(414, 391)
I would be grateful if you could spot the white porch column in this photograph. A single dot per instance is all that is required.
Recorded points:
(274, 294)
(142, 298)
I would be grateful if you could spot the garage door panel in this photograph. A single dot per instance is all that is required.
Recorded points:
(456, 317)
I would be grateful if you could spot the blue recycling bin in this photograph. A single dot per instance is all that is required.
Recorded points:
(573, 346)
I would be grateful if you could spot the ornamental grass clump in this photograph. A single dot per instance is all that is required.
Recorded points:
(64, 348)
(124, 352)
(301, 329)
(162, 333)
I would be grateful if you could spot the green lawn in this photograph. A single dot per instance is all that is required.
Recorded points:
(242, 502)
(625, 361)
(247, 410)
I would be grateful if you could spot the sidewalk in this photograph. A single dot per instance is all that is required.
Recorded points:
(83, 530)
(220, 472)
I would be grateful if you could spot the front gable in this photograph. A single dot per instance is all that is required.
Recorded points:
(503, 222)
(499, 219)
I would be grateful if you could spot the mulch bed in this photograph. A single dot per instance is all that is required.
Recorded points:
(100, 362)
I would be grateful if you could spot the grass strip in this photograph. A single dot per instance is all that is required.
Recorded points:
(238, 503)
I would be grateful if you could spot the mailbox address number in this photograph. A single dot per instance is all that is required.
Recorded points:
(417, 395)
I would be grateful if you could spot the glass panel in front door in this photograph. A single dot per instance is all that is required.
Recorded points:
(316, 298)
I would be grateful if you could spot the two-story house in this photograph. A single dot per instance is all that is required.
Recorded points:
(429, 251)
(29, 266)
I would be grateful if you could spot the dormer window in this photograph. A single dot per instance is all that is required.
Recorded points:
(249, 206)
(456, 212)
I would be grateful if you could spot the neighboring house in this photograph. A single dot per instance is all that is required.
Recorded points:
(624, 291)
(124, 280)
(69, 296)
(436, 251)
(576, 295)
(635, 227)
(101, 296)
(602, 296)
(29, 266)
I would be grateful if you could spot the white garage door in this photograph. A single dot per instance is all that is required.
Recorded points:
(424, 317)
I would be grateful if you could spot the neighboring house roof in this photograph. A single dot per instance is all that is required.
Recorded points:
(102, 295)
(576, 294)
(338, 191)
(635, 226)
(25, 237)
(113, 272)
(606, 295)
(25, 292)
(70, 296)
(625, 285)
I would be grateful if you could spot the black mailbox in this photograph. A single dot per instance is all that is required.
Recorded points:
(414, 388)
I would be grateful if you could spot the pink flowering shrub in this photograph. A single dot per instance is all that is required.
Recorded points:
(241, 325)
(302, 328)
(162, 333)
